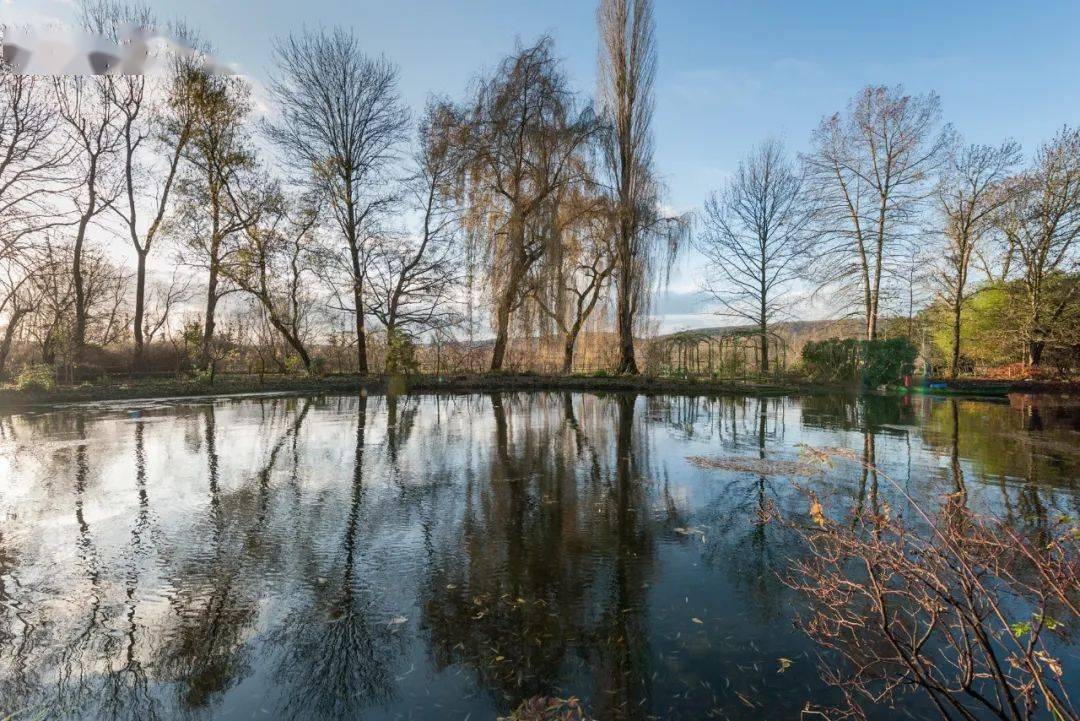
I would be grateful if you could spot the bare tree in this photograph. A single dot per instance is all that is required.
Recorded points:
(216, 155)
(270, 261)
(913, 270)
(33, 158)
(572, 286)
(90, 122)
(525, 138)
(1042, 223)
(969, 195)
(162, 299)
(52, 321)
(340, 122)
(20, 296)
(155, 121)
(646, 242)
(33, 155)
(753, 238)
(412, 281)
(870, 171)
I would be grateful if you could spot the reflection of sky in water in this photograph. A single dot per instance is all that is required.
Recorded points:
(229, 559)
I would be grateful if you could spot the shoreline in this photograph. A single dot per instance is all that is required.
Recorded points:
(12, 399)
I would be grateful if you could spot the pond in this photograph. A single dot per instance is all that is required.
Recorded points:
(445, 557)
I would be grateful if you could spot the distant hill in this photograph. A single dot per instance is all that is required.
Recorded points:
(795, 331)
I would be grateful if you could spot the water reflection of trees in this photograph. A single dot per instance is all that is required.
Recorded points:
(337, 656)
(544, 585)
(214, 605)
(523, 529)
(735, 521)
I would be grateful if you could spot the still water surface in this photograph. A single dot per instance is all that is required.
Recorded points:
(441, 557)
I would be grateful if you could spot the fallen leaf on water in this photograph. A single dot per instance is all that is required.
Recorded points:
(697, 620)
(1051, 662)
(785, 664)
(816, 512)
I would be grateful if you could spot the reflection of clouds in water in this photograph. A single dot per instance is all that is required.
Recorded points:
(254, 563)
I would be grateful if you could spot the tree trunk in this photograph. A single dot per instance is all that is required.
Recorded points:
(9, 337)
(140, 310)
(293, 341)
(568, 353)
(358, 304)
(209, 324)
(79, 337)
(954, 363)
(502, 329)
(625, 318)
(763, 365)
(502, 313)
(1034, 352)
(361, 335)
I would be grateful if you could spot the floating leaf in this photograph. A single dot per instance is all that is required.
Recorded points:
(785, 664)
(1051, 623)
(1052, 663)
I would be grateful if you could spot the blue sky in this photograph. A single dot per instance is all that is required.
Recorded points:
(731, 73)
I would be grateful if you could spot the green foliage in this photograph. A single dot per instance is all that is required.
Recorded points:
(988, 327)
(600, 373)
(38, 377)
(401, 355)
(886, 361)
(835, 360)
(294, 365)
(203, 376)
(846, 360)
(319, 365)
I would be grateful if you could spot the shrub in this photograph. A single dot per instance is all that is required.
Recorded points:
(833, 360)
(969, 610)
(886, 361)
(38, 377)
(401, 355)
(846, 360)
(294, 365)
(203, 376)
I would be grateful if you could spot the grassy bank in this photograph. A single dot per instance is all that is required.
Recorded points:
(471, 383)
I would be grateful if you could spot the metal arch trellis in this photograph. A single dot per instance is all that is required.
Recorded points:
(727, 353)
